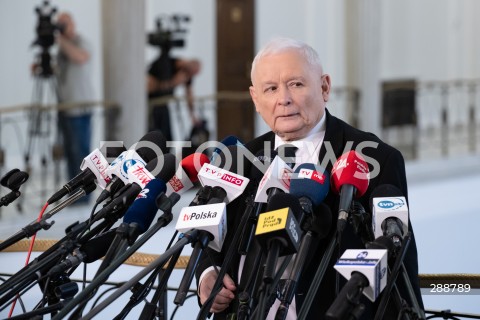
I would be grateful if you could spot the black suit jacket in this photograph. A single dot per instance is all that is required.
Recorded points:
(339, 139)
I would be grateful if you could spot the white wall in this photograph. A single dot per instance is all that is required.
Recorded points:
(430, 40)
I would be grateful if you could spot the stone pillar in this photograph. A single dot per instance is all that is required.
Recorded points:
(364, 59)
(124, 42)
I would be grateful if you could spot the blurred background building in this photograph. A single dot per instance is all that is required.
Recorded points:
(408, 71)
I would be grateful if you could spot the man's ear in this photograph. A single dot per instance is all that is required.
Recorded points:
(326, 85)
(253, 94)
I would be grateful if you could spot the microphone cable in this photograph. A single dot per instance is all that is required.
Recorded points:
(30, 249)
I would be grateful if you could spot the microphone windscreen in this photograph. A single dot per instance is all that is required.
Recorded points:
(16, 179)
(192, 164)
(310, 181)
(97, 247)
(167, 169)
(147, 144)
(285, 200)
(352, 169)
(144, 208)
(6, 177)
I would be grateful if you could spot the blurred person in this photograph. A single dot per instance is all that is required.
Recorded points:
(73, 86)
(164, 75)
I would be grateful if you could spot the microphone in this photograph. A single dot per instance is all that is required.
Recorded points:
(310, 184)
(93, 168)
(232, 183)
(186, 174)
(278, 231)
(211, 223)
(12, 180)
(390, 213)
(226, 142)
(219, 188)
(350, 178)
(261, 160)
(145, 152)
(140, 176)
(141, 213)
(89, 252)
(366, 271)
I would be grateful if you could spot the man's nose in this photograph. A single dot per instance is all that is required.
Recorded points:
(285, 97)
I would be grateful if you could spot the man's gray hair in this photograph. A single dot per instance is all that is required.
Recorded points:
(279, 45)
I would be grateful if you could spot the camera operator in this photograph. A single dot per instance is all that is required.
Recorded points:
(74, 85)
(160, 86)
(164, 75)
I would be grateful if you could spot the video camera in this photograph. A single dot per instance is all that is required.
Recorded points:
(46, 28)
(169, 33)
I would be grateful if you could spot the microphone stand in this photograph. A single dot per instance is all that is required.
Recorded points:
(37, 267)
(165, 204)
(205, 309)
(288, 291)
(124, 235)
(188, 237)
(398, 266)
(267, 295)
(32, 228)
(140, 291)
(322, 267)
(53, 254)
(201, 243)
(160, 294)
(9, 198)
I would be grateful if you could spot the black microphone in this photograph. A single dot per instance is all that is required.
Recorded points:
(12, 180)
(144, 150)
(278, 231)
(89, 252)
(93, 168)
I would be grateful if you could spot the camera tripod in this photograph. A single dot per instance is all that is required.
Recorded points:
(40, 128)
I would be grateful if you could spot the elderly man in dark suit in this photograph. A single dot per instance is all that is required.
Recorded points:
(290, 92)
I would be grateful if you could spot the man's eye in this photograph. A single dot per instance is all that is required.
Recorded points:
(270, 89)
(296, 84)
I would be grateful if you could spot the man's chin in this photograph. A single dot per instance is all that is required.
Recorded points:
(291, 135)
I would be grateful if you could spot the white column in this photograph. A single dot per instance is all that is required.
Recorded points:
(363, 51)
(124, 42)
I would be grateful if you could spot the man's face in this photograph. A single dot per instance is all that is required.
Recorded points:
(66, 21)
(289, 93)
